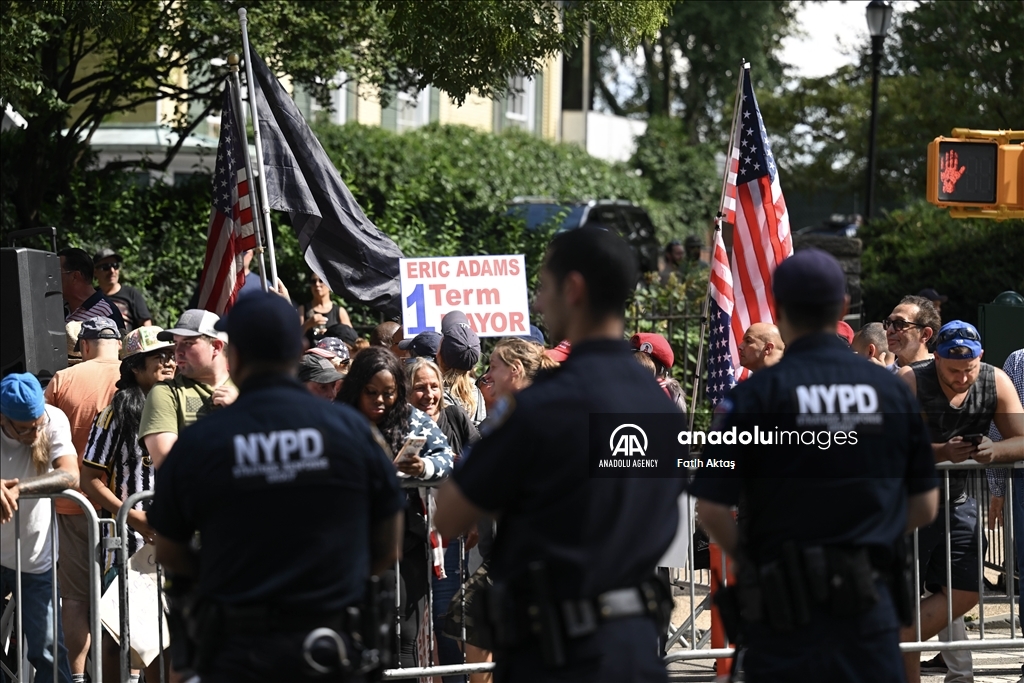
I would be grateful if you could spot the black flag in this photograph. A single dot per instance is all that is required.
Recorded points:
(338, 241)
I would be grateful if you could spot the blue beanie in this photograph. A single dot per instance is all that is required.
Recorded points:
(21, 397)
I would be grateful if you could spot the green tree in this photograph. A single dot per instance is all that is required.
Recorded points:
(920, 246)
(947, 64)
(689, 69)
(437, 191)
(684, 184)
(71, 64)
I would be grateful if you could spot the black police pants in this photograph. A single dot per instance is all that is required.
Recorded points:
(265, 658)
(621, 651)
(863, 649)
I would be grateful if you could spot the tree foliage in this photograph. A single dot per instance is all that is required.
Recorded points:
(436, 191)
(947, 64)
(72, 64)
(971, 260)
(684, 187)
(689, 70)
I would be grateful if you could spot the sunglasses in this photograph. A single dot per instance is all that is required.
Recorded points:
(109, 266)
(164, 357)
(31, 429)
(485, 381)
(898, 324)
(960, 333)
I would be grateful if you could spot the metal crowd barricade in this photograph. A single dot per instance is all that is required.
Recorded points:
(690, 641)
(693, 641)
(1015, 640)
(118, 542)
(95, 666)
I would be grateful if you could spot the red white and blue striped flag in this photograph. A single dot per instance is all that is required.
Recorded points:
(741, 290)
(231, 232)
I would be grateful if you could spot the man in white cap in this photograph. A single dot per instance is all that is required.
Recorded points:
(201, 385)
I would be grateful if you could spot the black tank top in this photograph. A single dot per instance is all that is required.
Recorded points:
(973, 416)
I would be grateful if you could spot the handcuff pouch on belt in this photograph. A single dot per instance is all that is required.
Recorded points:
(526, 611)
(355, 640)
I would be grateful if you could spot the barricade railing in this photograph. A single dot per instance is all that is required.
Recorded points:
(1003, 561)
(16, 620)
(118, 542)
(689, 640)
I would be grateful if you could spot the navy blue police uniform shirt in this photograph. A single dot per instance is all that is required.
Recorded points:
(283, 487)
(532, 467)
(821, 491)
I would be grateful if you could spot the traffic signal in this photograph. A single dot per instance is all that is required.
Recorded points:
(977, 174)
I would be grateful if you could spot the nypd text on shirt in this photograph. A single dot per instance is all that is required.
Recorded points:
(279, 456)
(839, 407)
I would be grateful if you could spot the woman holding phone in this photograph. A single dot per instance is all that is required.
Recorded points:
(376, 387)
(426, 392)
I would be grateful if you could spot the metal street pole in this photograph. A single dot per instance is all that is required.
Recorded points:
(876, 58)
(879, 14)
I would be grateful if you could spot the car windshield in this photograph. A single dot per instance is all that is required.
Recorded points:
(537, 214)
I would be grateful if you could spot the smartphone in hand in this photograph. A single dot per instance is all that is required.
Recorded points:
(973, 438)
(412, 446)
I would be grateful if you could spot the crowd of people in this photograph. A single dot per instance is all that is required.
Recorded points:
(133, 391)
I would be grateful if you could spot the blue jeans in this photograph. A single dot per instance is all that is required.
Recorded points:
(37, 620)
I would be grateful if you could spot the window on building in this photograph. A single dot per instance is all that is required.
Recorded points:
(519, 103)
(339, 103)
(413, 110)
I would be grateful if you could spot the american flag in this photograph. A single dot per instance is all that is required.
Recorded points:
(741, 291)
(231, 232)
(722, 344)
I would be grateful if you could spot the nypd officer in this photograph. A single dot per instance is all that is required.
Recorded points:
(573, 596)
(832, 468)
(296, 506)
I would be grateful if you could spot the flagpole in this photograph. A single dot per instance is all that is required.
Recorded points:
(744, 66)
(236, 95)
(264, 200)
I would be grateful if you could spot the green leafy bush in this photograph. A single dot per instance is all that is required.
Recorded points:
(684, 185)
(970, 260)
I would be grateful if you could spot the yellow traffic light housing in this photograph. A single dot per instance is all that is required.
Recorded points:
(977, 174)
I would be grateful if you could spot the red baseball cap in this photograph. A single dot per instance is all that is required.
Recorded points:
(844, 330)
(654, 345)
(560, 353)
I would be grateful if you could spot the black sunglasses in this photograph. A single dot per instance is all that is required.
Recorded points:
(958, 333)
(109, 266)
(898, 324)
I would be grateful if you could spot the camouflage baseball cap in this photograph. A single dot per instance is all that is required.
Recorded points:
(143, 340)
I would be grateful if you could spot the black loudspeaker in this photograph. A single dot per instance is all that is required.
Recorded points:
(32, 337)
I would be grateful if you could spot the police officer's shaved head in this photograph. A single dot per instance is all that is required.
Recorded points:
(605, 261)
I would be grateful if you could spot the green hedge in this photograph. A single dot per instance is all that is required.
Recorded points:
(437, 191)
(969, 260)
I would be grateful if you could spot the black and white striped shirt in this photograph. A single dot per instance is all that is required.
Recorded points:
(129, 468)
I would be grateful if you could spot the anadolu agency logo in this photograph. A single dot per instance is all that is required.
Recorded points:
(628, 447)
(628, 440)
(635, 445)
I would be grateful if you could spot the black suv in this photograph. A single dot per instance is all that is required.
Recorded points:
(624, 217)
